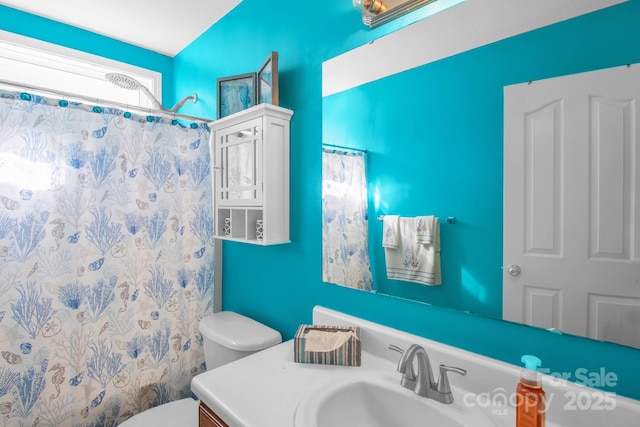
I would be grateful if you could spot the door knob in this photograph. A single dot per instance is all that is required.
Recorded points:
(514, 270)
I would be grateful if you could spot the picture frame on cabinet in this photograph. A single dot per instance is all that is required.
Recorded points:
(235, 93)
(268, 81)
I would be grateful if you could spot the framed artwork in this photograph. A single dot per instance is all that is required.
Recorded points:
(236, 93)
(268, 80)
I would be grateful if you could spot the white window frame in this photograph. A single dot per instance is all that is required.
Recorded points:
(32, 62)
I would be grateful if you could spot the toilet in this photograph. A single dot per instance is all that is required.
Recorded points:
(227, 336)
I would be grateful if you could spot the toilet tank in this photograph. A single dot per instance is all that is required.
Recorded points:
(229, 336)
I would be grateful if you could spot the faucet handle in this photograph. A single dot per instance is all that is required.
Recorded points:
(411, 375)
(396, 348)
(408, 375)
(443, 381)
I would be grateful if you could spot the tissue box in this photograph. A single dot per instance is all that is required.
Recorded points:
(328, 345)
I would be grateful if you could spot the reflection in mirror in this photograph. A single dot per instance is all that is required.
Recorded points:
(412, 249)
(345, 249)
(416, 170)
(434, 133)
(567, 246)
(465, 181)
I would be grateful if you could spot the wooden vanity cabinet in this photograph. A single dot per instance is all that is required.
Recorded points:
(208, 418)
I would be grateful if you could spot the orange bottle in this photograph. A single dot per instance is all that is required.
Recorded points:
(530, 398)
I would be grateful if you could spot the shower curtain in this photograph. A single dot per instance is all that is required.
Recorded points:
(106, 261)
(345, 235)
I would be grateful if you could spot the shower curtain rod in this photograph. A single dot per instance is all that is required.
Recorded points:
(102, 102)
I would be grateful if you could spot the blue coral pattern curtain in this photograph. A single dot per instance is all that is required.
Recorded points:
(345, 235)
(106, 261)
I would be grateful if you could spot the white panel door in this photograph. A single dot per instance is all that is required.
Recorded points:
(572, 205)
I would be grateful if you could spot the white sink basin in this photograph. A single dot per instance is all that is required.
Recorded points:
(376, 399)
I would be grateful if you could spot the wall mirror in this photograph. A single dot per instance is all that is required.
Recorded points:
(433, 136)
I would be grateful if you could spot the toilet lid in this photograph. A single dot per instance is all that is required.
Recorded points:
(182, 412)
(238, 332)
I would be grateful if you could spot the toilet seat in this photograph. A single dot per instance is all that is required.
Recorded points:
(183, 412)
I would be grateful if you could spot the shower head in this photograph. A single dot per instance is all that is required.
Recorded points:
(127, 82)
(123, 81)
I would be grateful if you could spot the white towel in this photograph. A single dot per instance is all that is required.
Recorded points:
(390, 231)
(425, 226)
(411, 261)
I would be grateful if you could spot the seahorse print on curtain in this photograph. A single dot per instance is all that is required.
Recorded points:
(106, 261)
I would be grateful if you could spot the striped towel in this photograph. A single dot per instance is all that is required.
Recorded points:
(411, 261)
(425, 226)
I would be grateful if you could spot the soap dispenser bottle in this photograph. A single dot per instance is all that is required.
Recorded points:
(530, 398)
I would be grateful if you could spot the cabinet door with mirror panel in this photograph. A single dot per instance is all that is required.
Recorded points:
(237, 151)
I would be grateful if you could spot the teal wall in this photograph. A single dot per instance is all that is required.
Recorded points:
(279, 285)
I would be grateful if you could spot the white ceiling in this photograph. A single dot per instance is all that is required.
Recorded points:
(163, 26)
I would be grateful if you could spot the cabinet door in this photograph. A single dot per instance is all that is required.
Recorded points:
(208, 418)
(238, 157)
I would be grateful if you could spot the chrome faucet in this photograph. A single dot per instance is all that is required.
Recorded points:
(421, 380)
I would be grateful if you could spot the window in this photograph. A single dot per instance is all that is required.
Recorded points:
(36, 63)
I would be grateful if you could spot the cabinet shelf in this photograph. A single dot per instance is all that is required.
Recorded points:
(250, 153)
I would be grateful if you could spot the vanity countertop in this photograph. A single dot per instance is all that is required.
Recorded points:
(264, 389)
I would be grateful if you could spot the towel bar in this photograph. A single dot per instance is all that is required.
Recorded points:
(450, 219)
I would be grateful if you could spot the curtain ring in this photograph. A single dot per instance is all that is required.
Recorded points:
(97, 108)
(63, 102)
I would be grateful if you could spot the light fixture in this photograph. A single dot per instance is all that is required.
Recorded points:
(378, 12)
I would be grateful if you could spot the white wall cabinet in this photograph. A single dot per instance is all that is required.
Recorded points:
(250, 158)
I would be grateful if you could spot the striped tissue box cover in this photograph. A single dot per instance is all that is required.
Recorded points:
(349, 354)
